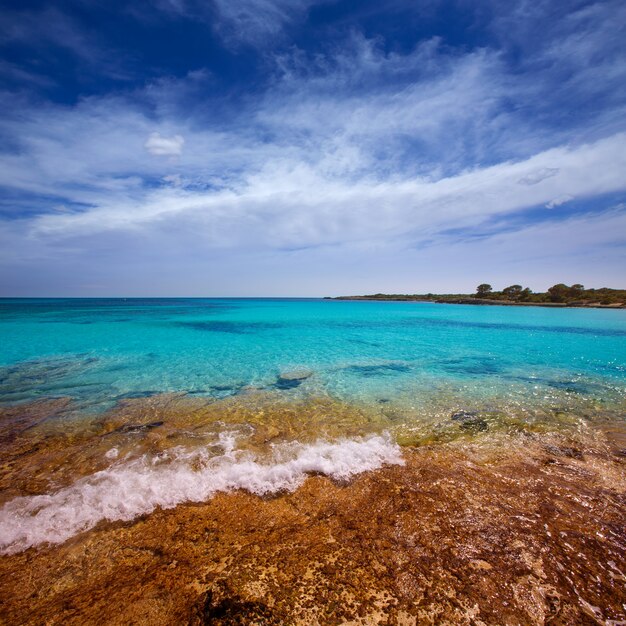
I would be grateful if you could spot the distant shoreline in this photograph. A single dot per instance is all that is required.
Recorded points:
(482, 302)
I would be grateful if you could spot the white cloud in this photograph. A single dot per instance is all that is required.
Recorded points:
(400, 109)
(158, 145)
(305, 207)
(555, 202)
(337, 169)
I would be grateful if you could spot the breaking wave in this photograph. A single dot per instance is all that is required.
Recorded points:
(129, 489)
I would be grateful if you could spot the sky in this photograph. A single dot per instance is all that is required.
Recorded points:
(310, 147)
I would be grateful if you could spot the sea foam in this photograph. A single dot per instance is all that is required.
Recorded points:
(129, 489)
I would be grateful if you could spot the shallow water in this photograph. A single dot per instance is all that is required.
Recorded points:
(115, 407)
(408, 354)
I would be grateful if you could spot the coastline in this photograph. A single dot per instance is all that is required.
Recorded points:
(482, 301)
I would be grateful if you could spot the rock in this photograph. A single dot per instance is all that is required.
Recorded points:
(137, 428)
(297, 374)
(287, 383)
(292, 379)
(570, 452)
(470, 420)
(464, 416)
(222, 605)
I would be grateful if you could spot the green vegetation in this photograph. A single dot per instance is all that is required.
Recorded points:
(557, 295)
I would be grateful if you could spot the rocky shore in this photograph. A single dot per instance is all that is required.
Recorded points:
(524, 528)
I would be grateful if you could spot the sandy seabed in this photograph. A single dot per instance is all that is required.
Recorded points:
(509, 528)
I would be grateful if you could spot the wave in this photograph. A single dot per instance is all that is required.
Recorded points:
(127, 490)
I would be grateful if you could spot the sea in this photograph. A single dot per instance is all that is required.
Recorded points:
(112, 408)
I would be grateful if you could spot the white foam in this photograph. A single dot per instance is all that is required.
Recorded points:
(129, 489)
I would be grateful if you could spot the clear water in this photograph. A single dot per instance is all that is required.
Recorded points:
(270, 392)
(407, 354)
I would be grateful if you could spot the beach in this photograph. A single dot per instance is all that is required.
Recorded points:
(311, 462)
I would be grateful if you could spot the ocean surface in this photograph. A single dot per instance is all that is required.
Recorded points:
(100, 351)
(132, 404)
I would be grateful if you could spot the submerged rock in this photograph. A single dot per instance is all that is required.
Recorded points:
(47, 377)
(137, 428)
(292, 378)
(383, 369)
(223, 605)
(287, 383)
(470, 420)
(133, 395)
(567, 451)
(297, 374)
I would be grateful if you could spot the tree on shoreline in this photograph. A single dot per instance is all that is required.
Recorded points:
(513, 292)
(561, 294)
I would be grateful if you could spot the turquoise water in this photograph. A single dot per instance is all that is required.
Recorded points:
(402, 353)
(279, 389)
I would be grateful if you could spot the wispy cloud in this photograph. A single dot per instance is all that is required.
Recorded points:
(255, 21)
(306, 208)
(44, 31)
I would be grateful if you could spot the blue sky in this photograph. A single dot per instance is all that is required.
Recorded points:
(303, 147)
